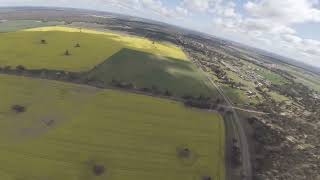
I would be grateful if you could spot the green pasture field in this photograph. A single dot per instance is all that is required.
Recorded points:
(26, 48)
(69, 130)
(309, 79)
(147, 70)
(239, 97)
(271, 76)
(278, 97)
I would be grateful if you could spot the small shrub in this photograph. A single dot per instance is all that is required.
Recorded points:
(18, 108)
(184, 153)
(207, 178)
(67, 53)
(20, 68)
(98, 170)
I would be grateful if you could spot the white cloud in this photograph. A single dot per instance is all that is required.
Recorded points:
(196, 5)
(268, 25)
(284, 11)
(292, 38)
(153, 7)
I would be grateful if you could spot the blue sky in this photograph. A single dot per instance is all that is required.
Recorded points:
(287, 27)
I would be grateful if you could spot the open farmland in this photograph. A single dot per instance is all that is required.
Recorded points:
(145, 70)
(73, 132)
(25, 48)
(105, 56)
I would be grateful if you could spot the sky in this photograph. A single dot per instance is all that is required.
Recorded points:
(287, 27)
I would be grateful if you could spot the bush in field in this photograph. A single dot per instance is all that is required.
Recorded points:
(18, 108)
(43, 41)
(184, 153)
(207, 178)
(98, 170)
(20, 68)
(67, 53)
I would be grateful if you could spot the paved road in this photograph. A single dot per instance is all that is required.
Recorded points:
(242, 139)
(245, 110)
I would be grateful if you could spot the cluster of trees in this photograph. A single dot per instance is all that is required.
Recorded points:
(42, 73)
(219, 72)
(128, 85)
(201, 102)
(235, 154)
(9, 69)
(121, 84)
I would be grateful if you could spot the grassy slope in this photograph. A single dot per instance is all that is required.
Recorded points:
(135, 137)
(145, 70)
(24, 48)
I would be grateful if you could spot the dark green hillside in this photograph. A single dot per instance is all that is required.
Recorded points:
(150, 71)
